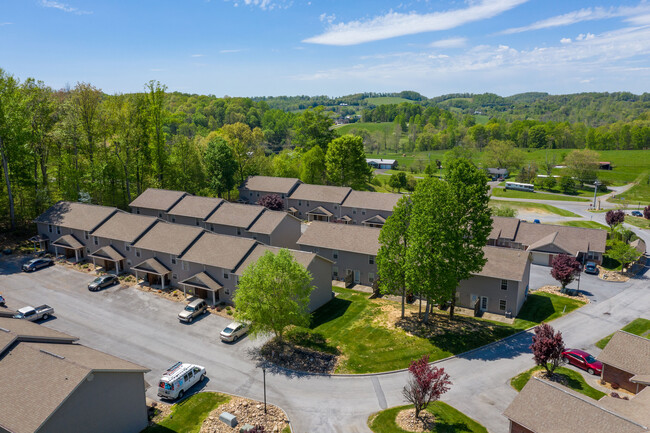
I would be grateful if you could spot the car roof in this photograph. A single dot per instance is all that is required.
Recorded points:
(579, 352)
(196, 302)
(233, 325)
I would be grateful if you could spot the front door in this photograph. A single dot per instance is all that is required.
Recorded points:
(357, 277)
(484, 303)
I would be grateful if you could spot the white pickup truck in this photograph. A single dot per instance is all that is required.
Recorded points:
(32, 314)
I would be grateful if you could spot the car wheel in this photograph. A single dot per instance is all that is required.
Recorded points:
(189, 319)
(201, 378)
(45, 316)
(181, 394)
(565, 359)
(590, 371)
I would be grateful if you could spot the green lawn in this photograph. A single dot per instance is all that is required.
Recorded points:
(448, 420)
(360, 330)
(188, 415)
(370, 127)
(585, 224)
(499, 192)
(575, 381)
(639, 193)
(636, 327)
(535, 206)
(639, 222)
(383, 100)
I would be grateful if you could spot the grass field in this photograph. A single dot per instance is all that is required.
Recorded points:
(526, 205)
(370, 127)
(639, 222)
(383, 100)
(371, 336)
(448, 420)
(584, 224)
(639, 193)
(574, 380)
(188, 415)
(499, 192)
(637, 327)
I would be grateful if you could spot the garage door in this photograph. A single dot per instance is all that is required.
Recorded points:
(541, 258)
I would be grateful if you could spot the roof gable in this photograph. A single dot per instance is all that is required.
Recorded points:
(341, 237)
(627, 352)
(195, 206)
(236, 215)
(269, 184)
(220, 251)
(157, 199)
(74, 215)
(168, 238)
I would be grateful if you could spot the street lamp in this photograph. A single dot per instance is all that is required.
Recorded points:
(264, 375)
(595, 192)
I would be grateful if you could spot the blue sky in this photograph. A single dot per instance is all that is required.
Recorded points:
(330, 47)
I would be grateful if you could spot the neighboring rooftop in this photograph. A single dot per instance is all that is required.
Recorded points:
(195, 206)
(504, 263)
(627, 352)
(125, 227)
(74, 215)
(302, 257)
(372, 200)
(320, 193)
(168, 238)
(341, 237)
(236, 215)
(503, 227)
(269, 221)
(269, 184)
(218, 250)
(158, 199)
(545, 407)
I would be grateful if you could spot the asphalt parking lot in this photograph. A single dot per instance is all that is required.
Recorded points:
(135, 325)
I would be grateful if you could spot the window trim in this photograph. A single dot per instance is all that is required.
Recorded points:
(506, 284)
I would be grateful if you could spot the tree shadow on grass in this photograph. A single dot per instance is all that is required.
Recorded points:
(330, 311)
(536, 309)
(451, 427)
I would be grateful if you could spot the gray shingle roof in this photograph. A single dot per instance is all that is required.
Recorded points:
(158, 199)
(168, 238)
(342, 237)
(218, 250)
(503, 227)
(107, 252)
(68, 241)
(195, 207)
(305, 258)
(268, 184)
(73, 215)
(152, 265)
(372, 200)
(504, 263)
(320, 193)
(125, 227)
(270, 220)
(545, 407)
(236, 215)
(627, 352)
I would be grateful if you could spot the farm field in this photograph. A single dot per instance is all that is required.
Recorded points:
(499, 192)
(370, 127)
(383, 100)
(536, 207)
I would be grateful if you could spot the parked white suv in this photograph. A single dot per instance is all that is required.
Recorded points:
(178, 378)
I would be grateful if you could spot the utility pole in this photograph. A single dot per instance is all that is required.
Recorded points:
(595, 192)
(264, 375)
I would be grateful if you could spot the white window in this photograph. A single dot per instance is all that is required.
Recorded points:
(371, 260)
(335, 254)
(282, 195)
(173, 258)
(128, 262)
(336, 207)
(87, 250)
(504, 284)
(307, 202)
(174, 276)
(137, 211)
(371, 277)
(255, 237)
(354, 211)
(484, 303)
(49, 228)
(198, 222)
(159, 214)
(137, 252)
(502, 304)
(227, 291)
(363, 211)
(258, 194)
(185, 265)
(110, 241)
(335, 271)
(225, 275)
(238, 231)
(299, 202)
(211, 227)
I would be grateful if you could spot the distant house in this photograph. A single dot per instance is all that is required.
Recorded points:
(156, 202)
(318, 202)
(497, 173)
(605, 165)
(545, 241)
(382, 163)
(626, 362)
(547, 407)
(256, 187)
(61, 386)
(369, 208)
(66, 226)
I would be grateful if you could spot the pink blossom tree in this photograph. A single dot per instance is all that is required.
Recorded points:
(547, 347)
(426, 384)
(565, 269)
(646, 212)
(271, 201)
(614, 217)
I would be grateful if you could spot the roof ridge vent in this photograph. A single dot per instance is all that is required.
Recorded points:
(51, 354)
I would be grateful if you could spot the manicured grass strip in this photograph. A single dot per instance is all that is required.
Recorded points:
(574, 380)
(584, 224)
(448, 420)
(639, 222)
(544, 307)
(188, 415)
(639, 192)
(498, 192)
(532, 205)
(636, 327)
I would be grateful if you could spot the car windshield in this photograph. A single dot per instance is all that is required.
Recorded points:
(97, 280)
(189, 308)
(19, 316)
(590, 359)
(31, 262)
(228, 330)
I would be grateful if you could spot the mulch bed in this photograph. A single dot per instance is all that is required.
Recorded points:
(247, 412)
(298, 358)
(555, 290)
(406, 420)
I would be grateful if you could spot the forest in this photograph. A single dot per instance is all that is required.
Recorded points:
(79, 143)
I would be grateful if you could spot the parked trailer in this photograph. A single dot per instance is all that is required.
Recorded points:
(520, 186)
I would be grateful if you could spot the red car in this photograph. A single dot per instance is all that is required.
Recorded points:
(583, 360)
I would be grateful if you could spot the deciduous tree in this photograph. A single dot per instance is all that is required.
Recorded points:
(564, 269)
(312, 167)
(221, 166)
(426, 384)
(623, 253)
(245, 144)
(583, 165)
(547, 347)
(273, 294)
(646, 212)
(271, 201)
(397, 181)
(614, 217)
(502, 154)
(313, 128)
(345, 162)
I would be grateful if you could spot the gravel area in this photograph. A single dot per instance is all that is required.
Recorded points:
(555, 290)
(406, 420)
(247, 412)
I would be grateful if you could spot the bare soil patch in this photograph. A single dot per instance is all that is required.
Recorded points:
(406, 420)
(608, 275)
(297, 358)
(247, 412)
(157, 411)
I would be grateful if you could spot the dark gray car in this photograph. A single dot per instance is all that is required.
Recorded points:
(35, 264)
(101, 282)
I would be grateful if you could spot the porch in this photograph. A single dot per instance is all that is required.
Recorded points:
(376, 221)
(319, 214)
(40, 242)
(108, 258)
(202, 285)
(71, 247)
(153, 273)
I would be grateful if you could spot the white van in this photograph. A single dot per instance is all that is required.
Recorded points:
(178, 379)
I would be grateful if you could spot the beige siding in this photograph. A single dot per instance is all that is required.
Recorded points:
(348, 261)
(286, 234)
(321, 271)
(480, 286)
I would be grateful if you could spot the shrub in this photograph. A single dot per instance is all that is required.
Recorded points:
(547, 347)
(615, 385)
(271, 201)
(646, 212)
(229, 312)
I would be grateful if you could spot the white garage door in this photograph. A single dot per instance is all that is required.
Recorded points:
(540, 258)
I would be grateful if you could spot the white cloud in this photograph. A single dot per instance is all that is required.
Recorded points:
(63, 7)
(565, 40)
(449, 43)
(329, 19)
(588, 14)
(229, 51)
(264, 4)
(583, 37)
(396, 24)
(197, 55)
(5, 24)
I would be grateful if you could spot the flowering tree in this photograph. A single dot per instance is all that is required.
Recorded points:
(271, 201)
(565, 269)
(646, 212)
(614, 217)
(547, 347)
(426, 384)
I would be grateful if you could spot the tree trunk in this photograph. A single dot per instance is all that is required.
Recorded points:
(451, 307)
(403, 300)
(420, 309)
(426, 311)
(5, 169)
